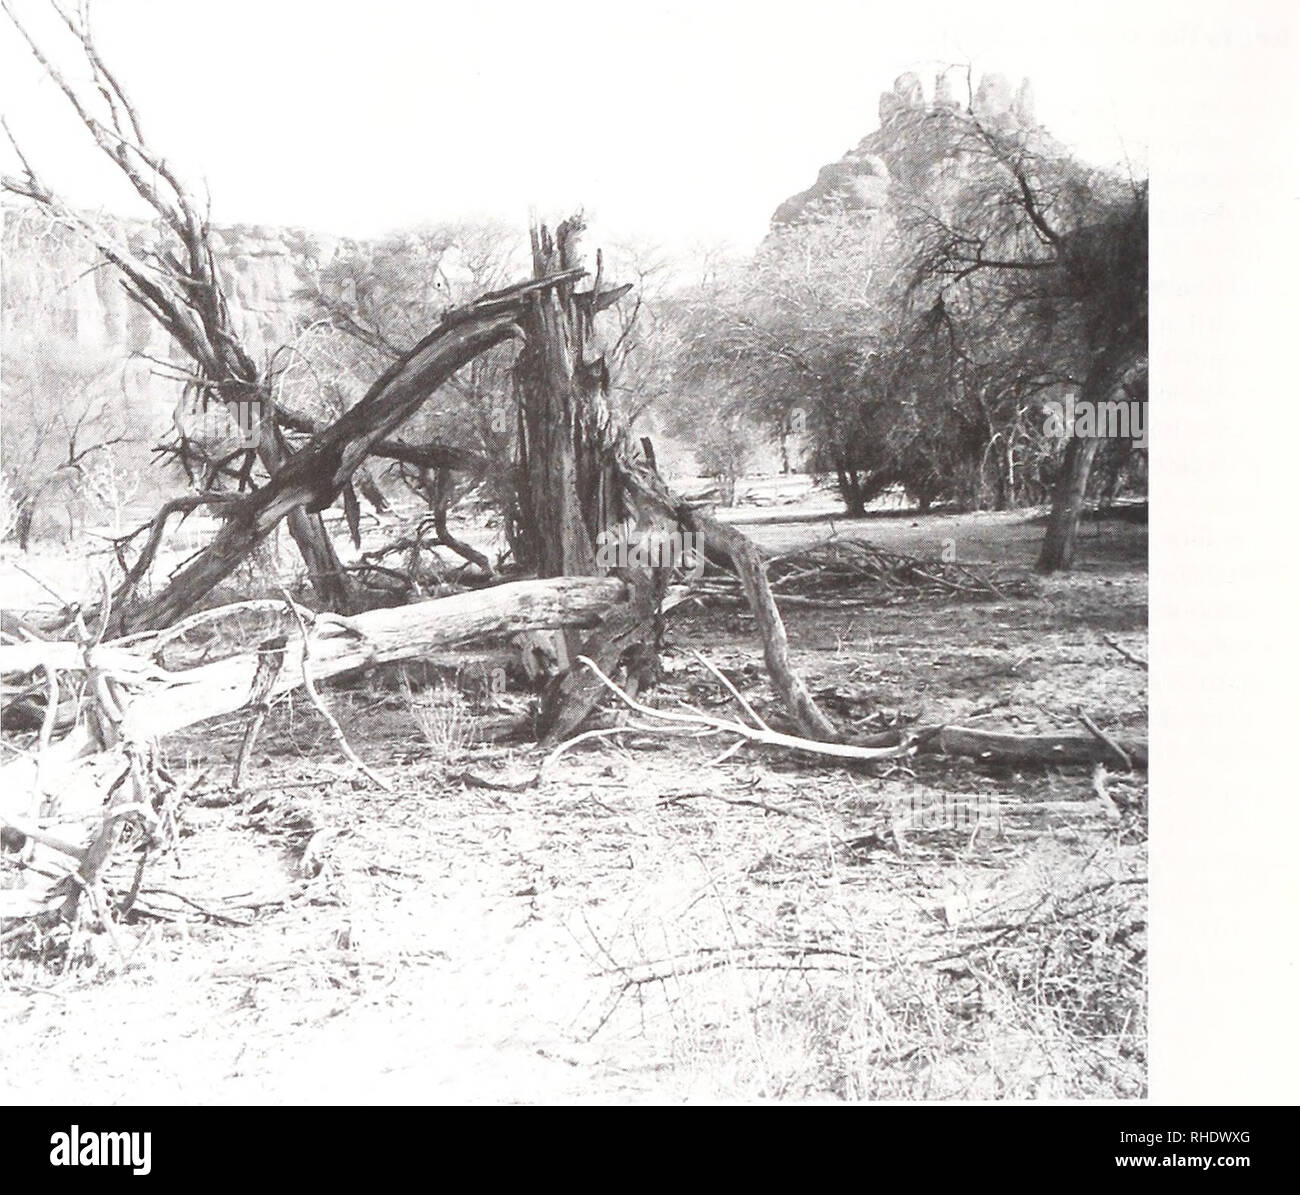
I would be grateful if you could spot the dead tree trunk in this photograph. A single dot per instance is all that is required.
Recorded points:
(312, 478)
(568, 490)
(567, 482)
(577, 479)
(1057, 553)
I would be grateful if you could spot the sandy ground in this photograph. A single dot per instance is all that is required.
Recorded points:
(454, 944)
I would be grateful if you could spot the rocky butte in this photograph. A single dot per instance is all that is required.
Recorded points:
(916, 139)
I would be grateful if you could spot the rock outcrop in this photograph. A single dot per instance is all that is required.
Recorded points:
(916, 136)
(56, 283)
(61, 301)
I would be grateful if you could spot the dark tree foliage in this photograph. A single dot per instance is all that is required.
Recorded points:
(1033, 238)
(915, 346)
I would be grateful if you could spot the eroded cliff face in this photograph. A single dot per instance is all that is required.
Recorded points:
(56, 285)
(916, 138)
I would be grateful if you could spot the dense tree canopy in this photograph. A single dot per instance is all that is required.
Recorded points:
(914, 344)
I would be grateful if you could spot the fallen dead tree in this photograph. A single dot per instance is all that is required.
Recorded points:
(645, 487)
(314, 476)
(987, 746)
(175, 278)
(569, 484)
(992, 746)
(65, 804)
(176, 283)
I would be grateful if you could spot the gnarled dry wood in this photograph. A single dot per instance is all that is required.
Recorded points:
(314, 476)
(157, 702)
(432, 454)
(718, 537)
(574, 694)
(63, 796)
(161, 702)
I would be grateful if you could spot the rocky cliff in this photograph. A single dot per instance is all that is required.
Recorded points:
(915, 138)
(55, 283)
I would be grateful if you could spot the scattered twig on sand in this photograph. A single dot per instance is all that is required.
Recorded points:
(1102, 737)
(749, 709)
(152, 910)
(1123, 651)
(476, 780)
(744, 803)
(310, 685)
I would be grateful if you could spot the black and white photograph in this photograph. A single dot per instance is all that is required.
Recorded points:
(615, 554)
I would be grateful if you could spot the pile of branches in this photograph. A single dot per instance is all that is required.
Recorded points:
(410, 565)
(850, 566)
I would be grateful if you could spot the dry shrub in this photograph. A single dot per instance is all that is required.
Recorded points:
(443, 715)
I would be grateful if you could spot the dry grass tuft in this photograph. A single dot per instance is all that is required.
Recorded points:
(444, 717)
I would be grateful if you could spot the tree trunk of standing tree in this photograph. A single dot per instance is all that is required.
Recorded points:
(1067, 505)
(568, 487)
(1072, 485)
(1004, 472)
(568, 491)
(855, 504)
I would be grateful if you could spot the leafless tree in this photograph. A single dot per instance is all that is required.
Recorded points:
(177, 281)
(59, 418)
(1061, 246)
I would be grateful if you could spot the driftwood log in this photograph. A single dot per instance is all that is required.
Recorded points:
(645, 487)
(65, 803)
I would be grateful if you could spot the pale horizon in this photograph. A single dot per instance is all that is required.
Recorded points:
(352, 125)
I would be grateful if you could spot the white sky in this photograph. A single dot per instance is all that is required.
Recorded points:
(676, 123)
